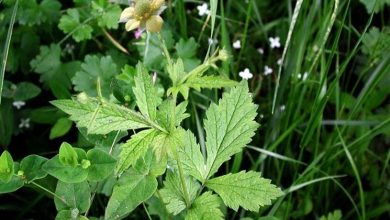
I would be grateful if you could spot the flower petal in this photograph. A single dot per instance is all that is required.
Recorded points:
(132, 24)
(127, 14)
(154, 23)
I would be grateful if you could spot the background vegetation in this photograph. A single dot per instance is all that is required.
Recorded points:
(324, 109)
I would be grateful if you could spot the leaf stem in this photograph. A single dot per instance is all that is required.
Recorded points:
(164, 48)
(50, 192)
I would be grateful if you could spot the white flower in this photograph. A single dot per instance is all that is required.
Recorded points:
(279, 62)
(274, 42)
(237, 44)
(18, 104)
(24, 123)
(212, 41)
(260, 50)
(267, 70)
(282, 108)
(203, 9)
(246, 74)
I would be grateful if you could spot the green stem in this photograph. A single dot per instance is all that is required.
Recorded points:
(164, 48)
(50, 192)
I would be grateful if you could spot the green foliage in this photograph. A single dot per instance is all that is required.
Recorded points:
(65, 173)
(67, 155)
(107, 14)
(375, 6)
(25, 91)
(376, 44)
(229, 127)
(173, 195)
(101, 165)
(6, 167)
(206, 206)
(31, 168)
(60, 128)
(134, 186)
(71, 24)
(15, 183)
(73, 196)
(95, 68)
(245, 189)
(145, 93)
(101, 118)
(33, 13)
(335, 215)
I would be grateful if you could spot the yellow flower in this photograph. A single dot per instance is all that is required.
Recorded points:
(144, 14)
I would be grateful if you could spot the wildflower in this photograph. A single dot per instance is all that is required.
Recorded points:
(212, 41)
(237, 44)
(274, 42)
(69, 48)
(260, 50)
(246, 74)
(279, 62)
(282, 108)
(144, 14)
(138, 33)
(24, 123)
(267, 70)
(18, 104)
(203, 9)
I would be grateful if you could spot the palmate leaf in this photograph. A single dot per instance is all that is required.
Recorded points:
(146, 93)
(229, 126)
(101, 118)
(71, 24)
(205, 207)
(245, 189)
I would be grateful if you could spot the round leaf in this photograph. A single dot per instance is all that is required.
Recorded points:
(102, 164)
(32, 167)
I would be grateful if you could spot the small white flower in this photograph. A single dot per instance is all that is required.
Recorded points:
(24, 123)
(260, 50)
(267, 70)
(261, 116)
(246, 74)
(18, 104)
(279, 62)
(274, 42)
(212, 41)
(203, 9)
(282, 108)
(237, 44)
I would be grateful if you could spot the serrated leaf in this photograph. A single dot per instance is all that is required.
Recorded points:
(173, 195)
(229, 126)
(164, 115)
(32, 167)
(167, 143)
(73, 195)
(48, 11)
(101, 118)
(95, 67)
(133, 188)
(102, 165)
(186, 48)
(176, 72)
(205, 207)
(209, 82)
(145, 92)
(135, 148)
(191, 157)
(60, 128)
(70, 23)
(245, 189)
(6, 167)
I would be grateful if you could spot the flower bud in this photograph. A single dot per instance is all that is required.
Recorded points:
(223, 55)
